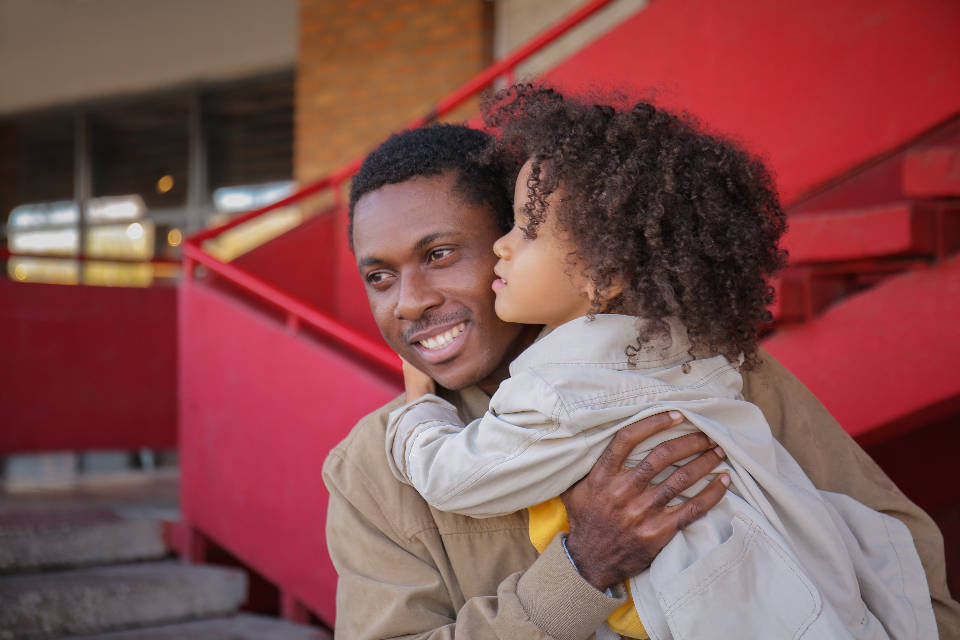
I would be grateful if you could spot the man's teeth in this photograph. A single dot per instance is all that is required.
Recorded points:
(445, 338)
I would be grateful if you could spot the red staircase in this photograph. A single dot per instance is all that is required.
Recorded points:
(855, 107)
(871, 296)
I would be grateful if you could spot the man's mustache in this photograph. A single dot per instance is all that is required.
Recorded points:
(437, 320)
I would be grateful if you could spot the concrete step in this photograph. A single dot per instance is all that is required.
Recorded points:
(239, 627)
(100, 599)
(135, 489)
(33, 538)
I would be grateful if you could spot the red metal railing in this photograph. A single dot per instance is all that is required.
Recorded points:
(297, 311)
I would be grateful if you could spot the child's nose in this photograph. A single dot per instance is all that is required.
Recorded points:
(500, 248)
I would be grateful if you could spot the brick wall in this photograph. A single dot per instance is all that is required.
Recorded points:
(366, 68)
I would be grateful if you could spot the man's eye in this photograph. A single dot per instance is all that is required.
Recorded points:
(377, 277)
(439, 254)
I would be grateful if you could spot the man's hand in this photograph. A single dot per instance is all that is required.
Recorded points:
(618, 521)
(415, 382)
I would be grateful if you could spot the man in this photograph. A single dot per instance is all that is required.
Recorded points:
(424, 216)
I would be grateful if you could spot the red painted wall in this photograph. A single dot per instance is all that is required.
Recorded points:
(816, 87)
(87, 367)
(260, 409)
(299, 261)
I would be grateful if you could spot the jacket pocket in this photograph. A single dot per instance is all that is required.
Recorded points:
(747, 587)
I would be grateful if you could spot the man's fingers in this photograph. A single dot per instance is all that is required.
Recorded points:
(671, 452)
(694, 508)
(689, 474)
(613, 457)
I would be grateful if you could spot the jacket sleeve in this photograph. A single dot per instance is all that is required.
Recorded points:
(516, 455)
(834, 462)
(396, 583)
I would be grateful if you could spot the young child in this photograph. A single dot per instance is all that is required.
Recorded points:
(643, 246)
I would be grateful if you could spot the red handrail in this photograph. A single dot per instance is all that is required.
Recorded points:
(298, 311)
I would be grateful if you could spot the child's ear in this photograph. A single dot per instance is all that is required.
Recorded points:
(611, 293)
(615, 289)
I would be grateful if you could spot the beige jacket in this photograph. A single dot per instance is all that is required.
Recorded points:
(408, 570)
(807, 564)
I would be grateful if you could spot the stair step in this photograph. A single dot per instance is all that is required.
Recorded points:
(99, 599)
(932, 172)
(902, 229)
(240, 627)
(32, 539)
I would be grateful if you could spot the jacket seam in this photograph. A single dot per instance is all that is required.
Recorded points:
(645, 390)
(896, 554)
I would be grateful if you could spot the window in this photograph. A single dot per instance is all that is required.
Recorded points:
(151, 169)
(142, 148)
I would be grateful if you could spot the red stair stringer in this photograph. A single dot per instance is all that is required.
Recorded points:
(880, 360)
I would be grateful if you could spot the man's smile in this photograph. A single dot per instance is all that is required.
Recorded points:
(442, 339)
(438, 346)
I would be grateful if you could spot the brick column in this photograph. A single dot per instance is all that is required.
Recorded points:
(366, 68)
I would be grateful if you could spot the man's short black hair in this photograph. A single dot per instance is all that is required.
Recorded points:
(430, 151)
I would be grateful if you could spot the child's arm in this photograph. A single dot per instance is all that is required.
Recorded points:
(469, 469)
(513, 457)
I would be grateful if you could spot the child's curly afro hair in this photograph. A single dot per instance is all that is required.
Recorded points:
(688, 222)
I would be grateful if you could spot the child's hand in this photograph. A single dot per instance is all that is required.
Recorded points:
(416, 382)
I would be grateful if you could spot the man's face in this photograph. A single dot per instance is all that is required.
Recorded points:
(425, 255)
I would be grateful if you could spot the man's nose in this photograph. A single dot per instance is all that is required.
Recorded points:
(416, 296)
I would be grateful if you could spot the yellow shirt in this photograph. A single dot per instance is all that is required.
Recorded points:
(546, 520)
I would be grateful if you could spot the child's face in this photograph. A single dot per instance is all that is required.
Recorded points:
(539, 280)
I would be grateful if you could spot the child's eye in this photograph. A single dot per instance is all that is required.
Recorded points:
(439, 254)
